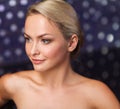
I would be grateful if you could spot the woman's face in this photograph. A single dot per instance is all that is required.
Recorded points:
(45, 45)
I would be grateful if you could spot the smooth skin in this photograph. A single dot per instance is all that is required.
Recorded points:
(52, 84)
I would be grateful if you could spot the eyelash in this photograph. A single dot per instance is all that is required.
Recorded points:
(27, 39)
(46, 41)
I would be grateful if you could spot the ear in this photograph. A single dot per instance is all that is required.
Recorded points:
(72, 44)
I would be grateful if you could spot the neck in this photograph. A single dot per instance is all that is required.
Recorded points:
(56, 77)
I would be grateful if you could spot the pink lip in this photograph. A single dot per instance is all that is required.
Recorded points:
(37, 61)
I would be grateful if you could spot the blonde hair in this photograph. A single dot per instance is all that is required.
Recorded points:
(63, 14)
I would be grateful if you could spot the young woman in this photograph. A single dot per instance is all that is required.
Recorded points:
(53, 38)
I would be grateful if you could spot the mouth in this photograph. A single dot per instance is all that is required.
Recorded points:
(37, 61)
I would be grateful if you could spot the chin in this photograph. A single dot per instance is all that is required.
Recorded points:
(39, 69)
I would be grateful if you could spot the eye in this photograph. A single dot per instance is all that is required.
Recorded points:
(46, 41)
(27, 39)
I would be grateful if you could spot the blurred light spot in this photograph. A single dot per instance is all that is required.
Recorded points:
(110, 38)
(117, 43)
(105, 75)
(112, 8)
(13, 27)
(104, 50)
(104, 2)
(90, 48)
(23, 2)
(86, 26)
(1, 59)
(115, 26)
(21, 39)
(9, 15)
(20, 14)
(2, 8)
(6, 41)
(92, 10)
(85, 4)
(12, 3)
(18, 51)
(7, 53)
(0, 21)
(97, 15)
(22, 30)
(2, 33)
(104, 20)
(101, 35)
(89, 37)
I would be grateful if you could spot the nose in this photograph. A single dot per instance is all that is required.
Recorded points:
(35, 49)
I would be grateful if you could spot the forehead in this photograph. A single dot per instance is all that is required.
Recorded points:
(38, 24)
(38, 21)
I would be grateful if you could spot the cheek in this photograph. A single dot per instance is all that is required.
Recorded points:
(27, 49)
(55, 51)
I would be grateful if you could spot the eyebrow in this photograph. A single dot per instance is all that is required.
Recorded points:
(44, 34)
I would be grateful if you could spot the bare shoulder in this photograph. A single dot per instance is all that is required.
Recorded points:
(100, 94)
(5, 82)
(10, 82)
(6, 88)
